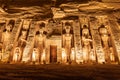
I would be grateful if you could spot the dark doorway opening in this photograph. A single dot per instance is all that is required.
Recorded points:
(53, 53)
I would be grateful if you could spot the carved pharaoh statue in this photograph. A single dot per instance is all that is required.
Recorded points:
(40, 42)
(2, 26)
(6, 44)
(67, 42)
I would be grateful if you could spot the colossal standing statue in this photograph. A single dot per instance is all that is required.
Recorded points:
(86, 39)
(67, 42)
(39, 43)
(6, 44)
(105, 41)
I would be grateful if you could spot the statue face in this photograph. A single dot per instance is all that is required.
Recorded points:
(85, 31)
(67, 29)
(9, 27)
(41, 31)
(35, 50)
(26, 24)
(105, 38)
(24, 34)
(103, 31)
(42, 25)
(17, 50)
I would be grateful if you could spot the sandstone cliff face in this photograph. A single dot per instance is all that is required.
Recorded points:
(110, 0)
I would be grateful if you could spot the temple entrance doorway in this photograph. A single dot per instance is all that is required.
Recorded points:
(53, 53)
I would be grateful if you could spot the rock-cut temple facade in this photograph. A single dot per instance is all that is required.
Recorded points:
(83, 39)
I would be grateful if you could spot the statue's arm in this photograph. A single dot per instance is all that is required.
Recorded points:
(44, 42)
(25, 40)
(2, 39)
(63, 41)
(72, 41)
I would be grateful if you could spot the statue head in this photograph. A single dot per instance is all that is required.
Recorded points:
(41, 31)
(67, 27)
(85, 30)
(17, 50)
(51, 21)
(42, 25)
(35, 50)
(24, 34)
(26, 25)
(103, 30)
(9, 27)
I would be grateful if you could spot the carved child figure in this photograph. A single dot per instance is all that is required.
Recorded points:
(35, 56)
(1, 55)
(17, 55)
